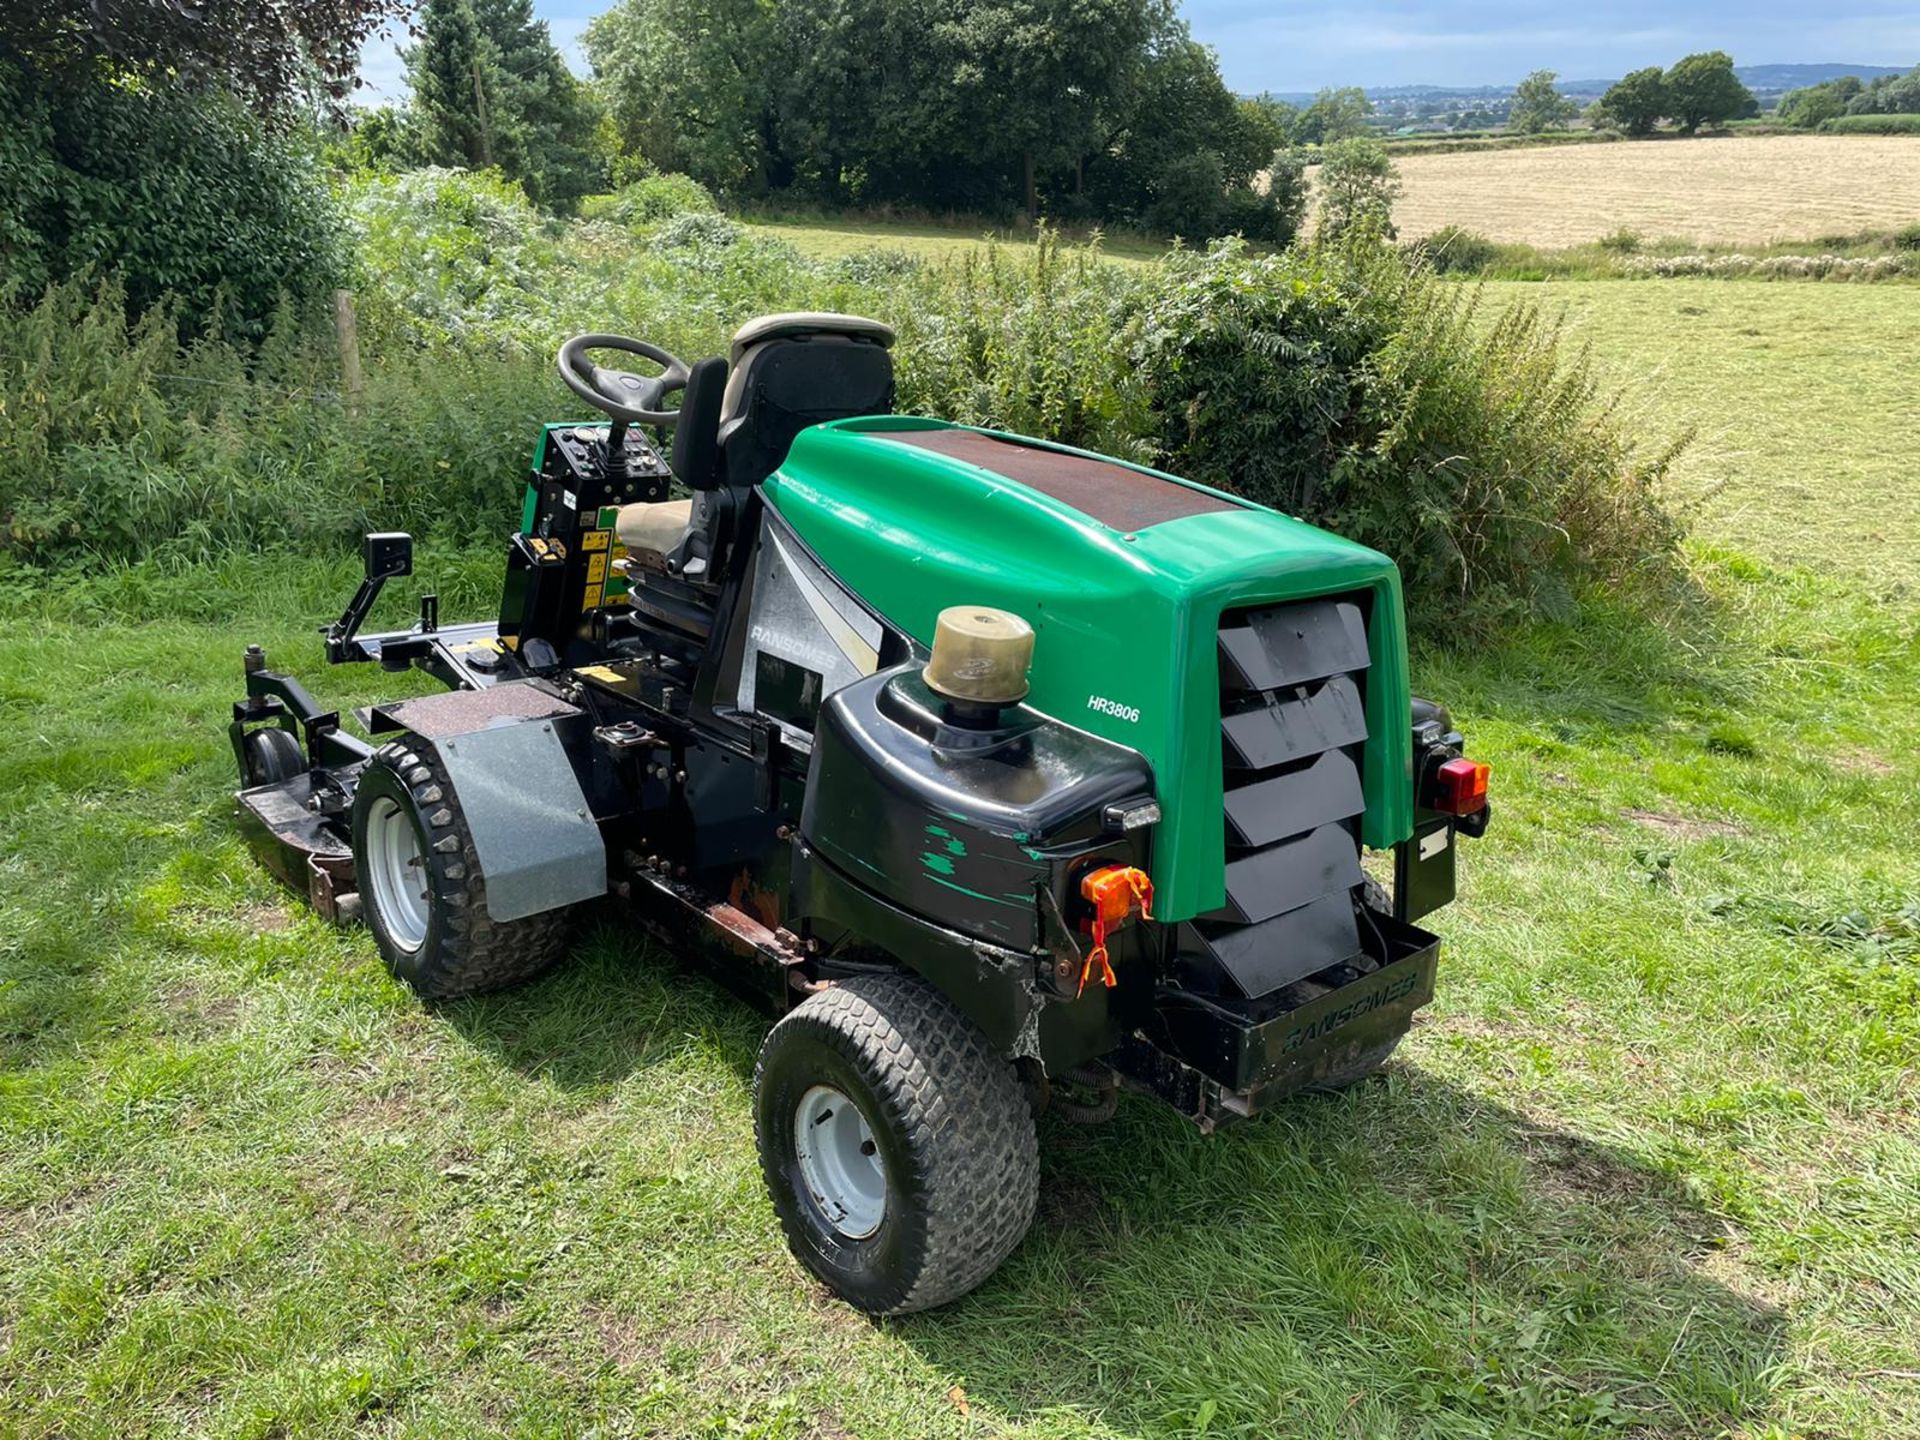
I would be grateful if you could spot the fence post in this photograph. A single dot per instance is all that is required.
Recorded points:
(347, 328)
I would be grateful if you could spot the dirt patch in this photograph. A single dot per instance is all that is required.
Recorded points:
(1684, 826)
(263, 919)
(631, 1345)
(1862, 762)
(195, 1013)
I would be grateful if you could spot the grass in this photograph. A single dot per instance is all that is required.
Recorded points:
(828, 237)
(1739, 191)
(1804, 444)
(1648, 1166)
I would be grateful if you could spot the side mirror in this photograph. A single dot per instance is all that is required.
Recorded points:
(389, 554)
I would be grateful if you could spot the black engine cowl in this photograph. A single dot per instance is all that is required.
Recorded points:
(979, 823)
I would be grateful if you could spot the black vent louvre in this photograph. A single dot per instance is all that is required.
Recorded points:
(1293, 720)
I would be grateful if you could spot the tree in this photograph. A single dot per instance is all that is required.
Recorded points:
(1887, 95)
(1278, 121)
(264, 51)
(1703, 90)
(1334, 115)
(450, 73)
(1358, 185)
(1637, 102)
(692, 85)
(550, 119)
(490, 90)
(1538, 105)
(1817, 104)
(1175, 122)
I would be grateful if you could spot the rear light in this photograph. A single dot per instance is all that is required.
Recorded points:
(1459, 788)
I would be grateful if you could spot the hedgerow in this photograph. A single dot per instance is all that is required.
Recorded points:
(192, 202)
(1343, 383)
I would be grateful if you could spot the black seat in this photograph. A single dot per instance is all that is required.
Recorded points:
(792, 371)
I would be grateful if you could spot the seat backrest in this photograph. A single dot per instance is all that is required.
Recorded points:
(792, 371)
(696, 437)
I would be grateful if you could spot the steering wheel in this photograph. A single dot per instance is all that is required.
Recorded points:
(625, 396)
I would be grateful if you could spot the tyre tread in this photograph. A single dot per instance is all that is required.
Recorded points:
(474, 952)
(965, 1118)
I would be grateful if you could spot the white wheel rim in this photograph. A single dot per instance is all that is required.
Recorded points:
(840, 1162)
(398, 874)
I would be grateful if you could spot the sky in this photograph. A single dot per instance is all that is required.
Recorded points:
(1288, 45)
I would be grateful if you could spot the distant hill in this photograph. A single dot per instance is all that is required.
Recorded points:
(1760, 78)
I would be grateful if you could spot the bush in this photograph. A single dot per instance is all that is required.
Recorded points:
(121, 444)
(1189, 196)
(697, 232)
(1358, 185)
(1736, 266)
(183, 195)
(1873, 125)
(1620, 242)
(1451, 250)
(1343, 385)
(1030, 340)
(452, 256)
(649, 201)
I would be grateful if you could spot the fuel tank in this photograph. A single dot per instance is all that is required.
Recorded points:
(979, 824)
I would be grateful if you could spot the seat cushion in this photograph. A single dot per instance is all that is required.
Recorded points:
(650, 531)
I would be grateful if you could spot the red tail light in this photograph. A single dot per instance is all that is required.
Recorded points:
(1460, 787)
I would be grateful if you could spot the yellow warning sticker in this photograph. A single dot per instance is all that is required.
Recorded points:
(592, 602)
(595, 539)
(597, 567)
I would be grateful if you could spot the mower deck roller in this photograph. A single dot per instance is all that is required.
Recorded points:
(993, 768)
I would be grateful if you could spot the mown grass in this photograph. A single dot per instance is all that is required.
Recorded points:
(1738, 191)
(828, 237)
(1648, 1166)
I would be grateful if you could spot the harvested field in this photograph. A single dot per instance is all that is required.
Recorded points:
(1744, 190)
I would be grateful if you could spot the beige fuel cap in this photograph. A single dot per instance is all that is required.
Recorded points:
(980, 655)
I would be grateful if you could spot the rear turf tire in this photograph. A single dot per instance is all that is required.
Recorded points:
(269, 756)
(422, 891)
(953, 1149)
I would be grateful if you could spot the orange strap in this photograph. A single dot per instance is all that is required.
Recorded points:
(1113, 890)
(1097, 956)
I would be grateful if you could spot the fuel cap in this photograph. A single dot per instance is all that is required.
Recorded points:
(980, 655)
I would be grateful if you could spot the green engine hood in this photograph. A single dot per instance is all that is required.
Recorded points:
(1125, 622)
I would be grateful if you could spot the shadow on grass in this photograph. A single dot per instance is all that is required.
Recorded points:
(1407, 1258)
(618, 1003)
(1404, 1259)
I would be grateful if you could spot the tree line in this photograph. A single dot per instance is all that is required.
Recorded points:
(1815, 105)
(1082, 109)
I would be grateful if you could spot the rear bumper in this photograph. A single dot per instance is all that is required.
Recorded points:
(1215, 1060)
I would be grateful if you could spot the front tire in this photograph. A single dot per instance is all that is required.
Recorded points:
(897, 1145)
(267, 757)
(421, 887)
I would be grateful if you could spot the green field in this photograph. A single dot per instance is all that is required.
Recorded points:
(1649, 1166)
(829, 237)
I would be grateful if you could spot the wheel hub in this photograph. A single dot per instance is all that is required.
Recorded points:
(839, 1162)
(397, 874)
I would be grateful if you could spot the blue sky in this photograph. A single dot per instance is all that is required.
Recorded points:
(1277, 45)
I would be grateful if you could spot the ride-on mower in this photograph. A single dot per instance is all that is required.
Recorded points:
(1003, 773)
